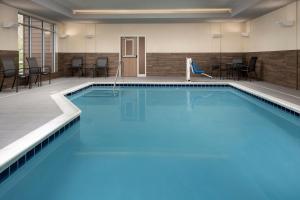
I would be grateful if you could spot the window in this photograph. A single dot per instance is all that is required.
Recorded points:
(130, 47)
(36, 38)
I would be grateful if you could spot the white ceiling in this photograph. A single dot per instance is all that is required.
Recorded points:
(61, 10)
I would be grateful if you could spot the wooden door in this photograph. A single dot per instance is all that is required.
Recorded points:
(129, 56)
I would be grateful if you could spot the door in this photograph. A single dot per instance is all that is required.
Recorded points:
(129, 56)
(133, 56)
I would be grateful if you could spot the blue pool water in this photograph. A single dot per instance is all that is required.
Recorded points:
(167, 144)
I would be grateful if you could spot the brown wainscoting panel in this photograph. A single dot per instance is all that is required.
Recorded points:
(298, 69)
(64, 59)
(15, 56)
(277, 67)
(173, 64)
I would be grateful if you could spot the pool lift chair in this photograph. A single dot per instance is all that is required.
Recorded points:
(194, 68)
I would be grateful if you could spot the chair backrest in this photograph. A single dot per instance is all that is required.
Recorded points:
(252, 63)
(9, 67)
(34, 67)
(102, 62)
(214, 60)
(77, 62)
(237, 61)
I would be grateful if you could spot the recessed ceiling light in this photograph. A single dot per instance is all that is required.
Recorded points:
(154, 11)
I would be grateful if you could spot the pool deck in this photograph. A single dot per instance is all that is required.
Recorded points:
(23, 112)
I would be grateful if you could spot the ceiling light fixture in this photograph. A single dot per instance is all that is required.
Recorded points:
(154, 11)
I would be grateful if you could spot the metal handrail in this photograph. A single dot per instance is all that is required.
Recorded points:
(117, 75)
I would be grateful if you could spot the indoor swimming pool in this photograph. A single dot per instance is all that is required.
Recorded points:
(166, 143)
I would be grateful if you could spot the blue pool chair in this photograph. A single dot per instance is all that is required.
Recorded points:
(196, 70)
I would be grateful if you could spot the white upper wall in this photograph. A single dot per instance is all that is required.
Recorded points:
(267, 35)
(8, 37)
(160, 38)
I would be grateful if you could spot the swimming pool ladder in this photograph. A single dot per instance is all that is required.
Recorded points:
(116, 77)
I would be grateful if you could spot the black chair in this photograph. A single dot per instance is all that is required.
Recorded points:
(37, 71)
(101, 64)
(76, 65)
(233, 67)
(10, 70)
(250, 68)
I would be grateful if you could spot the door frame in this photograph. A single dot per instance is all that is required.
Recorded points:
(137, 50)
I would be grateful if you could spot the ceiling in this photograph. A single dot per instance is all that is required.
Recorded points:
(62, 10)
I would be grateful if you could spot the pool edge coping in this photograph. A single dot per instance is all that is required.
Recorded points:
(12, 152)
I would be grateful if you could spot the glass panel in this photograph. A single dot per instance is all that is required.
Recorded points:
(37, 45)
(129, 47)
(47, 26)
(142, 55)
(36, 23)
(21, 46)
(26, 46)
(20, 18)
(48, 50)
(23, 19)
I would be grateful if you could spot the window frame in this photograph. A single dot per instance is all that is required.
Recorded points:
(52, 30)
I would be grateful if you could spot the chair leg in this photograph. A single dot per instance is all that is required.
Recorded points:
(29, 81)
(12, 86)
(17, 84)
(2, 82)
(36, 79)
(49, 78)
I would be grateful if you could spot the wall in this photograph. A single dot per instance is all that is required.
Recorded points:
(275, 46)
(267, 35)
(8, 37)
(9, 40)
(167, 45)
(162, 38)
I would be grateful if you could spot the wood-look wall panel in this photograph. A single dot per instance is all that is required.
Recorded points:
(277, 67)
(89, 60)
(298, 63)
(173, 64)
(15, 56)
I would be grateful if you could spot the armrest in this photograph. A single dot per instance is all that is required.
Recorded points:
(5, 70)
(46, 69)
